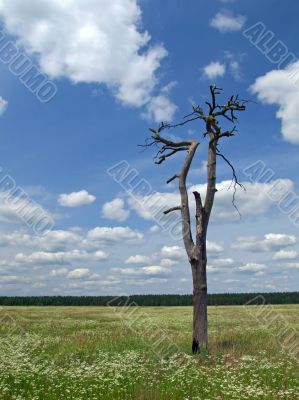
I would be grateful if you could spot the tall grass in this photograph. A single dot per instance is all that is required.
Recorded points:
(106, 353)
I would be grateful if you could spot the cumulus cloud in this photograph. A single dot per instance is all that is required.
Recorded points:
(235, 70)
(214, 70)
(88, 41)
(254, 201)
(68, 242)
(168, 262)
(115, 234)
(285, 255)
(291, 265)
(3, 105)
(234, 64)
(172, 252)
(153, 270)
(212, 268)
(226, 21)
(79, 273)
(14, 279)
(59, 272)
(224, 262)
(48, 258)
(280, 87)
(76, 199)
(154, 229)
(138, 259)
(270, 242)
(115, 210)
(213, 247)
(253, 267)
(178, 253)
(18, 207)
(161, 108)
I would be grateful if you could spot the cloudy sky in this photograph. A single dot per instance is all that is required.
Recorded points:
(81, 82)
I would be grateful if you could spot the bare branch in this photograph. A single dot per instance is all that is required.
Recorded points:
(235, 181)
(172, 209)
(172, 178)
(185, 122)
(171, 153)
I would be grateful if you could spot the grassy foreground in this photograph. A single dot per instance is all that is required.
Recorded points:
(144, 353)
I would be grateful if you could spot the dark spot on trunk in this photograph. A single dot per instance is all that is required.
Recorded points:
(195, 347)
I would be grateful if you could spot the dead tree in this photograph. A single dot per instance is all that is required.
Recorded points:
(196, 250)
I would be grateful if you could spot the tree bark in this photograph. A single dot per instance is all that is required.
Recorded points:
(200, 305)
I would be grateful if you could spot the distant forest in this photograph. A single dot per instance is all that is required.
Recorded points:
(156, 300)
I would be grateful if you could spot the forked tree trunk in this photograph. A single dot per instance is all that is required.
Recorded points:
(196, 250)
(200, 303)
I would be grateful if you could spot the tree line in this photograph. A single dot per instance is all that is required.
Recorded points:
(155, 300)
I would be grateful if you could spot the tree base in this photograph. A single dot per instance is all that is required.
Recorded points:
(195, 347)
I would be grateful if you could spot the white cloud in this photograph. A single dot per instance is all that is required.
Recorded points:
(279, 239)
(235, 70)
(172, 252)
(285, 255)
(153, 270)
(3, 105)
(65, 243)
(280, 87)
(76, 199)
(115, 234)
(168, 262)
(213, 247)
(161, 108)
(212, 268)
(291, 265)
(79, 273)
(59, 272)
(88, 41)
(154, 229)
(225, 21)
(114, 210)
(270, 242)
(221, 264)
(254, 201)
(138, 259)
(224, 262)
(14, 207)
(253, 267)
(48, 258)
(38, 285)
(214, 69)
(234, 64)
(14, 279)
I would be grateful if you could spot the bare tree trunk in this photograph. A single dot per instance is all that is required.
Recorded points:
(196, 252)
(200, 304)
(199, 262)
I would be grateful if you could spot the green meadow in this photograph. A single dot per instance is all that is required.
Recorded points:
(88, 353)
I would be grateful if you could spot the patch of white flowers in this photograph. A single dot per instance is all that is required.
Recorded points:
(34, 367)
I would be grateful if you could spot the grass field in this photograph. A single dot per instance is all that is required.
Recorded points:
(144, 353)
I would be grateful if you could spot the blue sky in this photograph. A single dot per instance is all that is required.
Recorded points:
(120, 67)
